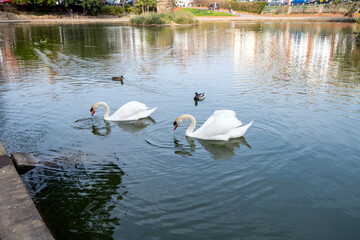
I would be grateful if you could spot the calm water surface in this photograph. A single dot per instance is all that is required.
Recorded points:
(295, 175)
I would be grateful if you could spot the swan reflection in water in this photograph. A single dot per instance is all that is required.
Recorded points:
(98, 130)
(183, 150)
(127, 126)
(220, 150)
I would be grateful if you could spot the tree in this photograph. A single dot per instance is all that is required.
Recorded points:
(37, 2)
(91, 7)
(145, 5)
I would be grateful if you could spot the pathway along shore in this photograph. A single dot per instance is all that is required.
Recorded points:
(19, 218)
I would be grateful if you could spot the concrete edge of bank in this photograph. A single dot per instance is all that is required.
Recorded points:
(19, 218)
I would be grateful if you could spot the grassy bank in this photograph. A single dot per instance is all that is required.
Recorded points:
(203, 12)
(180, 17)
(251, 7)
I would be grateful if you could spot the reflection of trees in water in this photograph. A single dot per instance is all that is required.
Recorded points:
(78, 200)
(80, 41)
(74, 47)
(348, 58)
(220, 150)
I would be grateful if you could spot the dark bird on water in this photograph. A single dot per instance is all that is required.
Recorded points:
(199, 96)
(121, 78)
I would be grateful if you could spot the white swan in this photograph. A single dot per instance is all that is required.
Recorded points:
(222, 125)
(130, 111)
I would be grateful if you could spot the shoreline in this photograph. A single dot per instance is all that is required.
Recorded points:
(281, 18)
(20, 218)
(12, 18)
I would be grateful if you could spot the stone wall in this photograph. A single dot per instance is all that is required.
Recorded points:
(165, 6)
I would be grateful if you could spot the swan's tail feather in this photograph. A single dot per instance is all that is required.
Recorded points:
(240, 131)
(146, 113)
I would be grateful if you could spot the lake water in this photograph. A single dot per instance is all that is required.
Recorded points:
(295, 174)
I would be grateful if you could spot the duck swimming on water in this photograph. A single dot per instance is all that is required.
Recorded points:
(199, 96)
(121, 78)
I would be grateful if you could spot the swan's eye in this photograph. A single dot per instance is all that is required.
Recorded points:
(175, 123)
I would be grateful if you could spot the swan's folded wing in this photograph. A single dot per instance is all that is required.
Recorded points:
(220, 123)
(228, 113)
(129, 111)
(144, 114)
(240, 131)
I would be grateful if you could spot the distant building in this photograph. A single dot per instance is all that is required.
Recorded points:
(184, 3)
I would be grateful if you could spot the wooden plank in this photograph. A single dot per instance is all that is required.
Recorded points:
(19, 218)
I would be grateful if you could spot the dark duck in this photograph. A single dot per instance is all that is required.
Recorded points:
(199, 96)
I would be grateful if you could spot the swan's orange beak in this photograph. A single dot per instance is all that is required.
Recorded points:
(92, 111)
(175, 125)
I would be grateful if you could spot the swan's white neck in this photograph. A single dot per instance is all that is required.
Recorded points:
(190, 130)
(107, 109)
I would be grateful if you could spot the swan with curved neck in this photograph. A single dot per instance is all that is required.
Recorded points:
(222, 125)
(130, 111)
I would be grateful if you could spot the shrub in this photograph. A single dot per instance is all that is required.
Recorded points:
(127, 8)
(184, 18)
(251, 7)
(112, 10)
(353, 8)
(151, 18)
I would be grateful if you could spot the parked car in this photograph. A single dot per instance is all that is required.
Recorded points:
(6, 1)
(318, 1)
(297, 2)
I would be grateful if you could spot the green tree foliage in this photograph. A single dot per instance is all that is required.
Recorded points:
(71, 2)
(37, 2)
(112, 10)
(90, 7)
(127, 8)
(143, 6)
